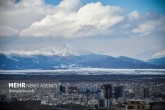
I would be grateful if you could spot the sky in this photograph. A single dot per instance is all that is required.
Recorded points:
(133, 28)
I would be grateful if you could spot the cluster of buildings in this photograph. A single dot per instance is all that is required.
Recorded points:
(116, 95)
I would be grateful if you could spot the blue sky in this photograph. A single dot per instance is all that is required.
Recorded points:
(143, 6)
(133, 28)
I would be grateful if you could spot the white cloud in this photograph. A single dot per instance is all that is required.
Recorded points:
(144, 28)
(8, 31)
(147, 27)
(73, 19)
(91, 19)
(24, 13)
(69, 5)
(159, 54)
(117, 33)
(43, 51)
(133, 15)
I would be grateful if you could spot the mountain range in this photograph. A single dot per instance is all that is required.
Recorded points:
(67, 57)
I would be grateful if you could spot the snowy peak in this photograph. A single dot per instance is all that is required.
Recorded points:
(59, 58)
(68, 50)
(65, 50)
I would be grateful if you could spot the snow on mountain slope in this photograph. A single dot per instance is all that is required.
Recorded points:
(65, 50)
(67, 57)
(68, 50)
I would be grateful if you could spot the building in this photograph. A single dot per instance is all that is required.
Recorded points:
(139, 92)
(119, 92)
(21, 105)
(146, 93)
(64, 88)
(100, 94)
(107, 93)
(157, 106)
(135, 105)
(101, 103)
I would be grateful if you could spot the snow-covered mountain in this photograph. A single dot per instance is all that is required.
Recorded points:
(68, 50)
(65, 50)
(66, 57)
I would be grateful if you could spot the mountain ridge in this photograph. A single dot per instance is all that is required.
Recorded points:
(65, 50)
(67, 57)
(158, 61)
(65, 62)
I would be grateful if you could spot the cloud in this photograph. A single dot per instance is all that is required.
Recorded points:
(8, 31)
(43, 51)
(144, 28)
(69, 5)
(153, 26)
(133, 15)
(107, 29)
(23, 13)
(72, 19)
(159, 54)
(89, 20)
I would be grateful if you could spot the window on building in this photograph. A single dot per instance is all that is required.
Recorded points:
(138, 107)
(130, 107)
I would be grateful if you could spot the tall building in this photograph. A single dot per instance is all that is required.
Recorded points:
(101, 103)
(146, 93)
(100, 94)
(119, 92)
(107, 93)
(139, 92)
(64, 88)
(83, 88)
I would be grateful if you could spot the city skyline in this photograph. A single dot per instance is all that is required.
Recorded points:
(112, 27)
